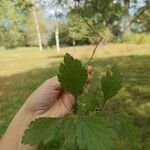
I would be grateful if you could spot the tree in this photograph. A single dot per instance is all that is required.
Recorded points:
(31, 6)
(11, 25)
(54, 16)
(100, 15)
(77, 29)
(34, 7)
(56, 26)
(15, 27)
(30, 33)
(126, 16)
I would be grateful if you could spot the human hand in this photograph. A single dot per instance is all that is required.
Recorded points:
(50, 99)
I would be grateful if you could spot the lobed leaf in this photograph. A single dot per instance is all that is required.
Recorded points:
(42, 130)
(80, 132)
(89, 132)
(126, 131)
(72, 75)
(89, 101)
(111, 83)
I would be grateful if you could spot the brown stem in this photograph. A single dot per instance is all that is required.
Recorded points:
(100, 40)
(94, 51)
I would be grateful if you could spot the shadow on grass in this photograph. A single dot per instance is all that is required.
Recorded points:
(15, 89)
(132, 99)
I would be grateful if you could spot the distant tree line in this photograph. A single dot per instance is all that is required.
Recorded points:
(78, 24)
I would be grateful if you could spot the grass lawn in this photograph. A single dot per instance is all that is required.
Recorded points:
(22, 70)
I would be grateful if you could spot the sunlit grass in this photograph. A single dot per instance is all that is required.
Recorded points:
(24, 59)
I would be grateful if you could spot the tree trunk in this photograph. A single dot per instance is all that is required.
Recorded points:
(57, 36)
(73, 42)
(37, 29)
(126, 18)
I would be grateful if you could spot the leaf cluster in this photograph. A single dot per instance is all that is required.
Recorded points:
(89, 127)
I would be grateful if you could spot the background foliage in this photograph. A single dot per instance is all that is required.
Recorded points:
(107, 18)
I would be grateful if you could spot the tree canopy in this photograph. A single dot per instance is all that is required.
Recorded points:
(107, 18)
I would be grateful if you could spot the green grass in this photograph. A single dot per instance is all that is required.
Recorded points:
(22, 70)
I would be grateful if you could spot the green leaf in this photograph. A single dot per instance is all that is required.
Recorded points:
(89, 101)
(88, 12)
(128, 134)
(111, 83)
(80, 132)
(72, 75)
(92, 132)
(69, 130)
(42, 130)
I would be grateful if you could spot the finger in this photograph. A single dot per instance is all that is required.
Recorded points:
(62, 107)
(68, 101)
(54, 83)
(90, 70)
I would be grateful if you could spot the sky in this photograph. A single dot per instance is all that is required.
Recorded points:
(140, 3)
(51, 7)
